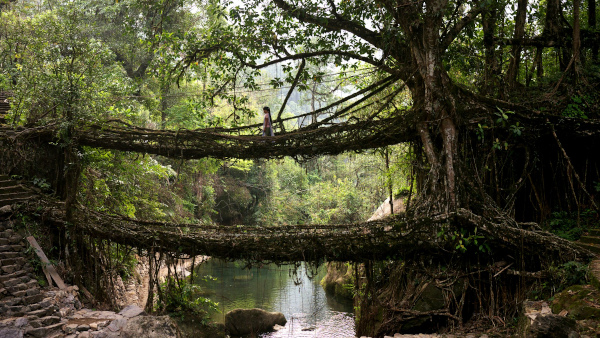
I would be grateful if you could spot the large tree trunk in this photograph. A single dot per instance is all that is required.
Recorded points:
(491, 61)
(513, 68)
(592, 26)
(436, 95)
(576, 35)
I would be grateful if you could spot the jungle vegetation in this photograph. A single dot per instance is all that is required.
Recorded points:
(492, 109)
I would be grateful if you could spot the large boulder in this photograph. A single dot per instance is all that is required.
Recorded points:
(242, 322)
(339, 280)
(579, 301)
(553, 326)
(385, 209)
(538, 321)
(150, 327)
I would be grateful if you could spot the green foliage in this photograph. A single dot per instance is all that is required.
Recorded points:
(42, 184)
(182, 298)
(124, 184)
(569, 226)
(342, 189)
(570, 273)
(561, 277)
(501, 123)
(63, 73)
(122, 259)
(464, 240)
(37, 266)
(576, 108)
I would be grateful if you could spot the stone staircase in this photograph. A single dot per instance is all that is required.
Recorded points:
(25, 310)
(11, 192)
(4, 106)
(591, 241)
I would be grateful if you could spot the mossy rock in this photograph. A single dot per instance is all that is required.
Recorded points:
(581, 302)
(594, 273)
(339, 280)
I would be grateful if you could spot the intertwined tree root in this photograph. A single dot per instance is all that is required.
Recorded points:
(396, 237)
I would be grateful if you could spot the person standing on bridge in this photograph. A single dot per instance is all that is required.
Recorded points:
(267, 125)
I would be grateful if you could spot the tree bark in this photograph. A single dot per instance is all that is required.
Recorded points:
(520, 20)
(576, 35)
(552, 25)
(592, 27)
(491, 61)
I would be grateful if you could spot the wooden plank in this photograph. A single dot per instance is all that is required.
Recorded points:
(87, 294)
(46, 265)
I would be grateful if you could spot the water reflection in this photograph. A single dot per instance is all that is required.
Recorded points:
(309, 311)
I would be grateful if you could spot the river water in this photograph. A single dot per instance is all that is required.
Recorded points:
(310, 312)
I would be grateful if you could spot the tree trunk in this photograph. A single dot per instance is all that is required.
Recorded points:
(164, 91)
(389, 180)
(552, 24)
(491, 62)
(552, 29)
(592, 27)
(513, 69)
(576, 36)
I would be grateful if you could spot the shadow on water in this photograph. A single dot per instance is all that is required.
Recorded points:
(310, 312)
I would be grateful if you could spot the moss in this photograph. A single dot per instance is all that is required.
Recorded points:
(581, 302)
(594, 273)
(339, 280)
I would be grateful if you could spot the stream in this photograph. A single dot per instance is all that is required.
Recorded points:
(309, 311)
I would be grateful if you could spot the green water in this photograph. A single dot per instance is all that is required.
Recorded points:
(310, 312)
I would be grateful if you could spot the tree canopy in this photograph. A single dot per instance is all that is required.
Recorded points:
(495, 103)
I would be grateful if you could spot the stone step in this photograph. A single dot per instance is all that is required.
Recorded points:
(594, 232)
(28, 300)
(9, 280)
(44, 331)
(9, 254)
(16, 239)
(32, 284)
(12, 248)
(13, 195)
(28, 293)
(43, 312)
(20, 261)
(4, 177)
(18, 277)
(12, 201)
(44, 304)
(590, 239)
(16, 281)
(589, 246)
(15, 311)
(45, 321)
(7, 182)
(12, 189)
(10, 301)
(7, 232)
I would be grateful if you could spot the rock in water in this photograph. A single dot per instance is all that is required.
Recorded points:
(241, 322)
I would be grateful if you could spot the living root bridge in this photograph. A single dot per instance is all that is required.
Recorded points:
(390, 238)
(219, 143)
